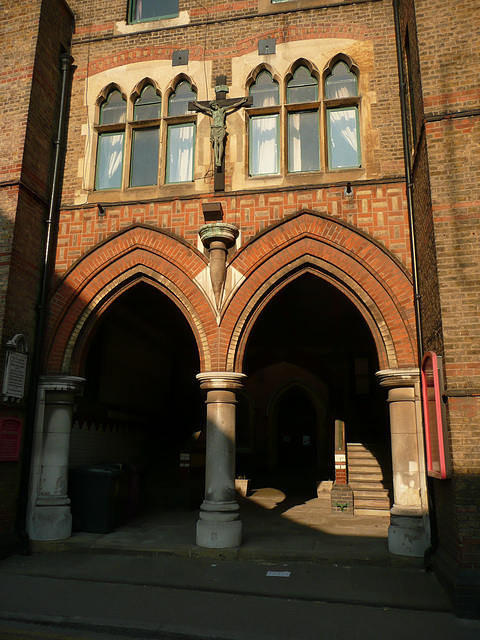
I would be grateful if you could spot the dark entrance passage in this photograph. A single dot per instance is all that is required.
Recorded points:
(297, 440)
(141, 405)
(310, 360)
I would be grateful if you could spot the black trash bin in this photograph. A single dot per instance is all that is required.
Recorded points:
(98, 496)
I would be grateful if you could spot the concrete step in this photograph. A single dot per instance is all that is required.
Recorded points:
(365, 503)
(367, 486)
(372, 512)
(372, 495)
(368, 472)
(365, 477)
(362, 462)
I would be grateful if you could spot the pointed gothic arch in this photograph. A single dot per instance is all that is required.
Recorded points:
(95, 281)
(357, 265)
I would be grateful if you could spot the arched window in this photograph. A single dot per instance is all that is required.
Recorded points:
(147, 105)
(293, 125)
(181, 135)
(145, 139)
(178, 102)
(111, 143)
(303, 122)
(130, 132)
(264, 147)
(264, 91)
(343, 131)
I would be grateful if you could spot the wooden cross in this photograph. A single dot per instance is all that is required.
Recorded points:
(218, 110)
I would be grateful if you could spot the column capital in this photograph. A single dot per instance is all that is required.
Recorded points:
(398, 377)
(73, 384)
(228, 380)
(218, 231)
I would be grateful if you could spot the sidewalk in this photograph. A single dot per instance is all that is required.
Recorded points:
(232, 600)
(291, 580)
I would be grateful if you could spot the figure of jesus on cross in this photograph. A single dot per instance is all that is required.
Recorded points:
(218, 131)
(218, 110)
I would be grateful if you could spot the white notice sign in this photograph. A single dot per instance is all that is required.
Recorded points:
(15, 372)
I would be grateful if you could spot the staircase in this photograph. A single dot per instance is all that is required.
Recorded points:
(371, 494)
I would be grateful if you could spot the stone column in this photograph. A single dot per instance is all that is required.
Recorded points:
(219, 526)
(49, 513)
(409, 532)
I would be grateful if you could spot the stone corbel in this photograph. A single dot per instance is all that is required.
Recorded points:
(218, 238)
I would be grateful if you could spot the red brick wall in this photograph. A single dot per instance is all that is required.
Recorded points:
(446, 174)
(33, 33)
(360, 267)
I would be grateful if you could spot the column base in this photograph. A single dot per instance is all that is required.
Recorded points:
(50, 523)
(408, 535)
(219, 526)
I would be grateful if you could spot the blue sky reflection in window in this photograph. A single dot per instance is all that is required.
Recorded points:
(142, 10)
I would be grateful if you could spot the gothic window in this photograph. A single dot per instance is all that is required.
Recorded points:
(130, 134)
(276, 125)
(145, 138)
(143, 10)
(264, 126)
(303, 122)
(111, 142)
(181, 135)
(343, 131)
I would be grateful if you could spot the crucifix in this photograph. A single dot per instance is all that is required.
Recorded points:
(218, 110)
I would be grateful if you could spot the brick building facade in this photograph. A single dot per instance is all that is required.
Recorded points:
(283, 278)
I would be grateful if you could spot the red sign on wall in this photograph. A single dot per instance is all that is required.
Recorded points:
(10, 438)
(436, 436)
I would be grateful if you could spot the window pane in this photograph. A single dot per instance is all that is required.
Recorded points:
(148, 105)
(264, 150)
(114, 109)
(265, 91)
(302, 87)
(181, 143)
(110, 161)
(144, 168)
(341, 83)
(303, 141)
(178, 102)
(343, 138)
(150, 9)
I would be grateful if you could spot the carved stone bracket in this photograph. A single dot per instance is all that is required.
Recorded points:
(218, 237)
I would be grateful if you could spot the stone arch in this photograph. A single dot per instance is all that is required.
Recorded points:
(140, 86)
(172, 86)
(254, 73)
(317, 394)
(136, 254)
(356, 264)
(340, 57)
(301, 62)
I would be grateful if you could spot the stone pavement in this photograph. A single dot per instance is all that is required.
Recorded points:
(301, 574)
(273, 527)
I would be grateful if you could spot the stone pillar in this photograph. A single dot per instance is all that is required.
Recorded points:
(409, 532)
(49, 512)
(219, 526)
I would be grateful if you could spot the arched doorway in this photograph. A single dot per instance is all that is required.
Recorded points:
(141, 403)
(310, 359)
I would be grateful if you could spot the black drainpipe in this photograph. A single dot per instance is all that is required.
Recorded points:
(413, 248)
(31, 403)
